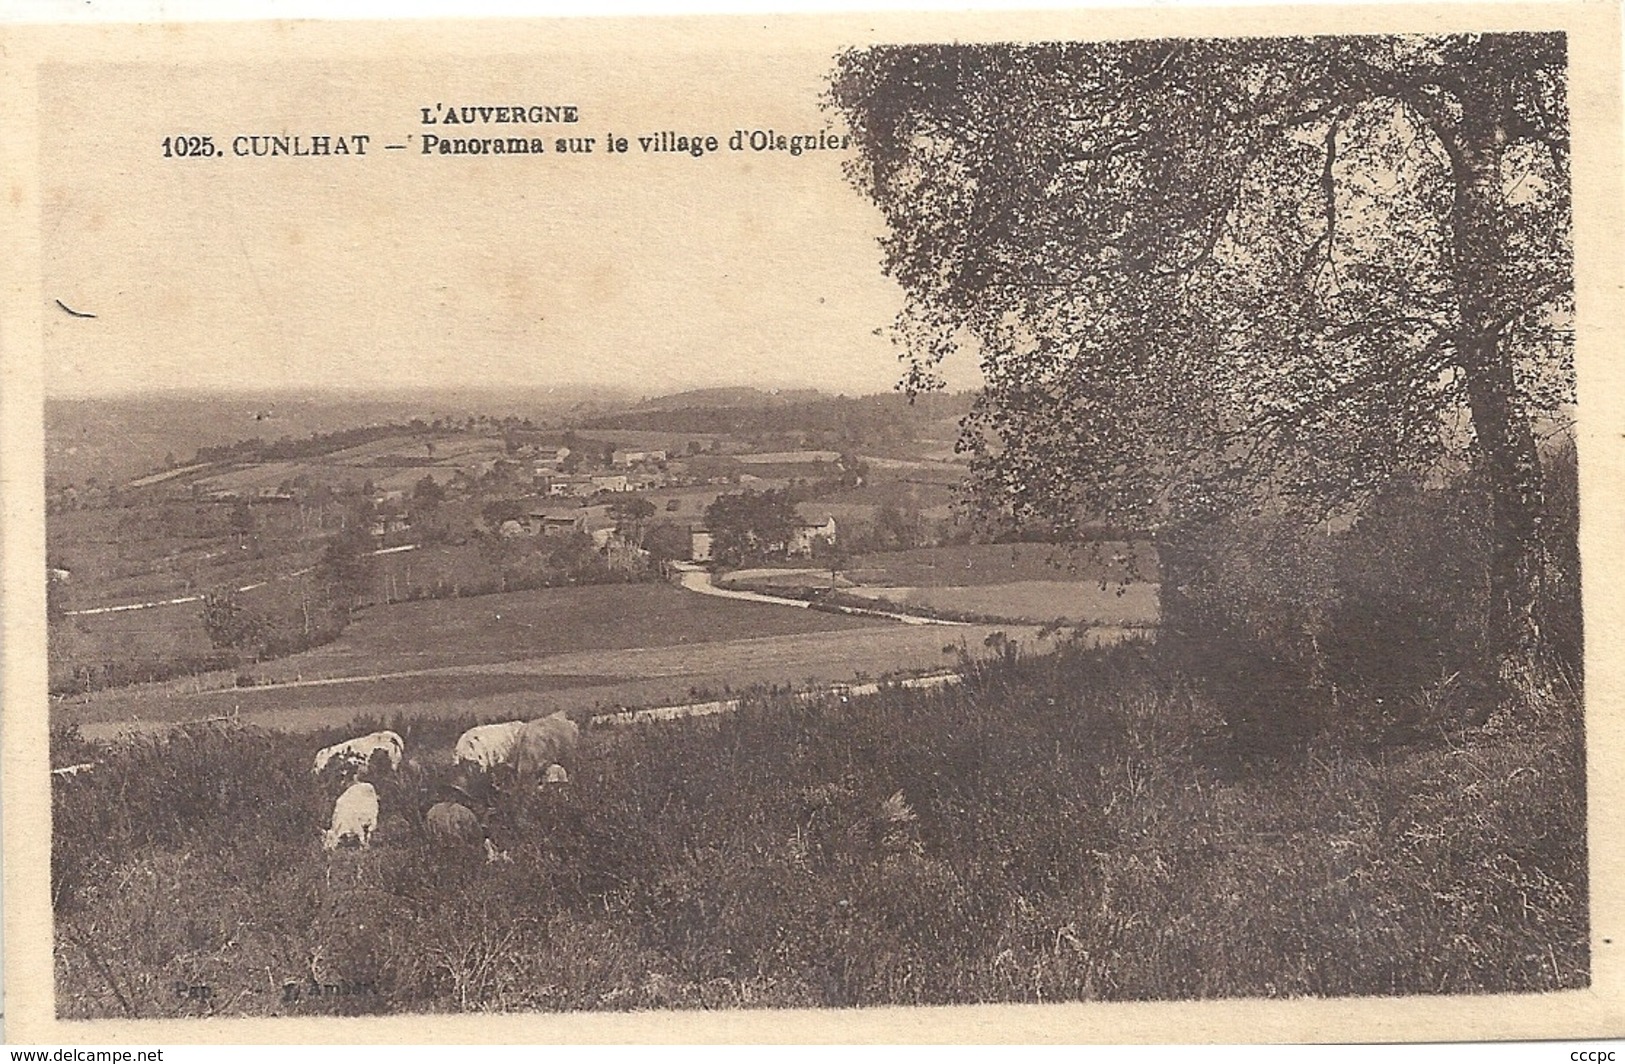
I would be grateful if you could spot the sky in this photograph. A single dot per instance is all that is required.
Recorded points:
(655, 272)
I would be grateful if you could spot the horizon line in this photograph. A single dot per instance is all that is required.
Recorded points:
(517, 390)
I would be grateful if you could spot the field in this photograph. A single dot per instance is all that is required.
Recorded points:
(393, 464)
(534, 624)
(1105, 584)
(513, 654)
(1002, 563)
(1031, 601)
(1079, 826)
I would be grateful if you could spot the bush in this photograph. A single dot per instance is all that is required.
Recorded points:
(1244, 606)
(1413, 597)
(1291, 630)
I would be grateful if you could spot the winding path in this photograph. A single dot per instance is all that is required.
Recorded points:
(696, 578)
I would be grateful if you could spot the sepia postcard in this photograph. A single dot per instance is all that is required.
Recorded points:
(916, 527)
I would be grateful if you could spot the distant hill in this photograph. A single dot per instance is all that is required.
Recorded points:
(810, 417)
(714, 398)
(117, 438)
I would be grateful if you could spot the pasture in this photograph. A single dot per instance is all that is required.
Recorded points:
(132, 555)
(513, 654)
(971, 565)
(587, 681)
(1076, 826)
(395, 463)
(1032, 601)
(162, 640)
(1103, 584)
(532, 624)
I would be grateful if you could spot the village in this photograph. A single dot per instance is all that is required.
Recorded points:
(234, 567)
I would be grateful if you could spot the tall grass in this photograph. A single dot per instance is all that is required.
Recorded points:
(1080, 825)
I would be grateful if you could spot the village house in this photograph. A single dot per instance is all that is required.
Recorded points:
(623, 457)
(803, 540)
(602, 531)
(551, 521)
(388, 525)
(550, 460)
(567, 486)
(615, 482)
(699, 544)
(543, 522)
(805, 537)
(646, 481)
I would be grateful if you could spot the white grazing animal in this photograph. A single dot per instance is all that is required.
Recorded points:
(356, 753)
(488, 745)
(355, 815)
(556, 774)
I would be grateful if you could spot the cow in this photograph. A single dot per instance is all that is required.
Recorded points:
(544, 744)
(488, 745)
(355, 815)
(355, 754)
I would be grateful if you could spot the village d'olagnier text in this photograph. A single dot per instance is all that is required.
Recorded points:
(194, 145)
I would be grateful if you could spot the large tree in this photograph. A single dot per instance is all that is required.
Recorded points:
(631, 515)
(1203, 274)
(749, 522)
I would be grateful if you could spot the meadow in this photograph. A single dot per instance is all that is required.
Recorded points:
(531, 624)
(527, 652)
(1032, 601)
(976, 564)
(1101, 584)
(584, 682)
(1079, 825)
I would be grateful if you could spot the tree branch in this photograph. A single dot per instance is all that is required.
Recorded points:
(1328, 185)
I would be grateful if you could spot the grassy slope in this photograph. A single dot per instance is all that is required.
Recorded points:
(971, 565)
(1033, 601)
(1032, 583)
(521, 625)
(1072, 827)
(585, 681)
(562, 648)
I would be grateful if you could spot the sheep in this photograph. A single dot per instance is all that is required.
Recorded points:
(543, 744)
(556, 774)
(454, 824)
(355, 815)
(450, 823)
(357, 753)
(488, 745)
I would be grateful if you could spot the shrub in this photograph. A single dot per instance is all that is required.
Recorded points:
(1290, 630)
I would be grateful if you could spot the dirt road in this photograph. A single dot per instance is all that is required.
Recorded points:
(697, 579)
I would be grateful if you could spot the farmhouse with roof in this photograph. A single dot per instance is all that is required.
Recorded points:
(805, 536)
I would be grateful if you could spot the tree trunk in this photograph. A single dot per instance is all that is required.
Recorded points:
(1505, 451)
